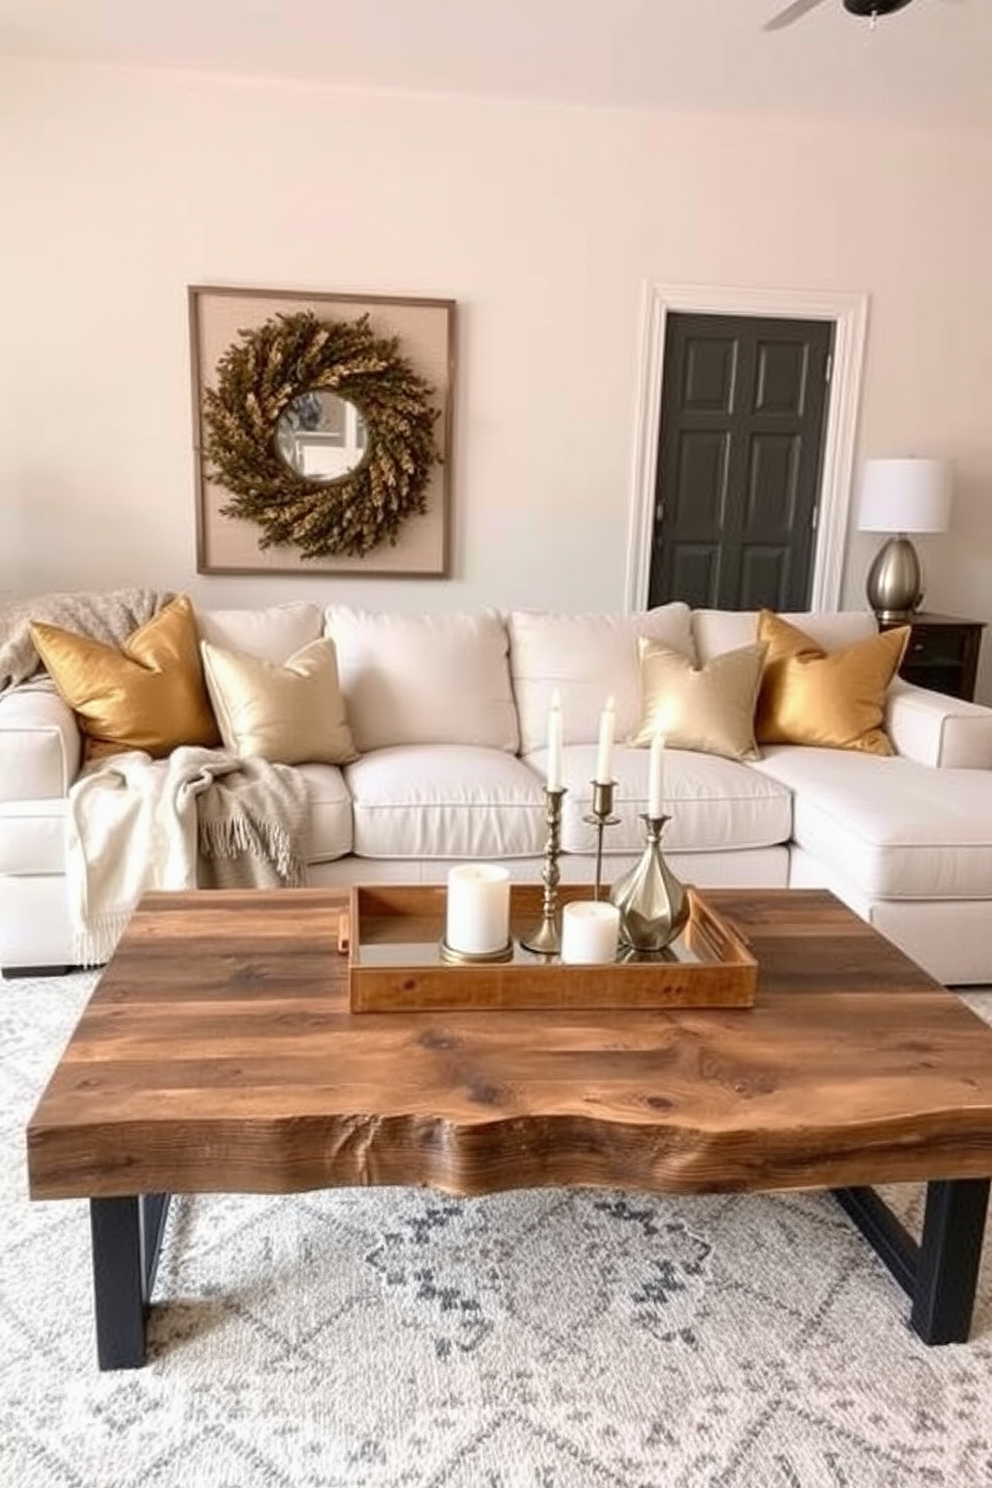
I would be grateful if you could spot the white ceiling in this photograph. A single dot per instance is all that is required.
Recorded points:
(931, 62)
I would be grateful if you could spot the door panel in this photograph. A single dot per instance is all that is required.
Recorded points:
(709, 375)
(781, 374)
(697, 566)
(702, 481)
(761, 572)
(739, 458)
(772, 479)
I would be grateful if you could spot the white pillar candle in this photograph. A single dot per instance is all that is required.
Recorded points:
(478, 909)
(555, 739)
(656, 777)
(604, 754)
(590, 932)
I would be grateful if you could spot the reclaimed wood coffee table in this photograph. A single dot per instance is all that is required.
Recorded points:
(218, 1054)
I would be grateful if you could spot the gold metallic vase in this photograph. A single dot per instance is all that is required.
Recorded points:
(653, 904)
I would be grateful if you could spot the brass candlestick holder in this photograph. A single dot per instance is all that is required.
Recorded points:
(546, 939)
(601, 816)
(653, 904)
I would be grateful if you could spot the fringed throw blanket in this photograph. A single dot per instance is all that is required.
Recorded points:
(203, 818)
(109, 617)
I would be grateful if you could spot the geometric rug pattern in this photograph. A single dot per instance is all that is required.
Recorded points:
(398, 1338)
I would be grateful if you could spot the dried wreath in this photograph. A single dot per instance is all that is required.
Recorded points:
(259, 375)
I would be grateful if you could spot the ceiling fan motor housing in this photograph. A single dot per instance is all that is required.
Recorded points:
(873, 7)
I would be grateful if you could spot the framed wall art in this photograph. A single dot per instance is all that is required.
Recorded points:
(321, 431)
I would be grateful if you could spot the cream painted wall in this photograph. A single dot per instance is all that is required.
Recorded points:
(120, 188)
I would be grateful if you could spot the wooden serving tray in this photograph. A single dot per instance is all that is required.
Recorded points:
(392, 935)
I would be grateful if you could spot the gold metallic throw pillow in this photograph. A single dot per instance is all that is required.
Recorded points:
(288, 714)
(148, 695)
(834, 699)
(709, 708)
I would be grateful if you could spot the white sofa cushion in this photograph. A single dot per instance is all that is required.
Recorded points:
(751, 868)
(891, 828)
(40, 743)
(715, 804)
(445, 801)
(424, 679)
(330, 813)
(587, 658)
(716, 631)
(273, 633)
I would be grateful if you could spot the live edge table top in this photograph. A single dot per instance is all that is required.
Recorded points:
(218, 1054)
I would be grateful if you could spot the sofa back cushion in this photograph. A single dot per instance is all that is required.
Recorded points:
(586, 658)
(274, 633)
(716, 631)
(424, 679)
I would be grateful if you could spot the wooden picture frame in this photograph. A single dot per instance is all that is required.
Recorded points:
(424, 333)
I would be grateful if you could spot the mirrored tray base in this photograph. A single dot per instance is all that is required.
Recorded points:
(394, 938)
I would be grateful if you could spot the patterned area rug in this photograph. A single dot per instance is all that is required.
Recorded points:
(553, 1339)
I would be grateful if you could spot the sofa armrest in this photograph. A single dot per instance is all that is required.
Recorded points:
(40, 743)
(934, 729)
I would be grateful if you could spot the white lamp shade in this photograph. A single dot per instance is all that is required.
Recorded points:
(905, 496)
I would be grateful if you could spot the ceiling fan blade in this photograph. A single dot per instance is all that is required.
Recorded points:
(793, 12)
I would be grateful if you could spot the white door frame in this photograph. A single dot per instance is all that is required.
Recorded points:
(849, 312)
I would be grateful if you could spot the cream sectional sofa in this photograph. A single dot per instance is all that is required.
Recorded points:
(449, 716)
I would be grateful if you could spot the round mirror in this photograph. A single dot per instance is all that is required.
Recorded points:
(321, 436)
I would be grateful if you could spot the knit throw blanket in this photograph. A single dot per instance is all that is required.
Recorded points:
(109, 617)
(203, 818)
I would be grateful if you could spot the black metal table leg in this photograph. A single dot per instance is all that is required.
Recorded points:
(941, 1273)
(950, 1253)
(126, 1238)
(885, 1233)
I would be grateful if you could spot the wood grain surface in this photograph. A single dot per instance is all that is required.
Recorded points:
(218, 1054)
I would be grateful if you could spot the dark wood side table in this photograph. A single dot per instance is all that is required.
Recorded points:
(942, 653)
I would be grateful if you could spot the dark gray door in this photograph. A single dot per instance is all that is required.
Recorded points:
(739, 458)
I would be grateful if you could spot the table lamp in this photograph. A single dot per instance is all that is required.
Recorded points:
(900, 496)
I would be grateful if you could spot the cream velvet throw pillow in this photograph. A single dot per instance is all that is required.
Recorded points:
(708, 708)
(291, 714)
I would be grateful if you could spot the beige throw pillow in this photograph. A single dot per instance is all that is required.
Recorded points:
(291, 714)
(709, 708)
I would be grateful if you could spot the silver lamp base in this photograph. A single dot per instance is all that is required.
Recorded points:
(895, 580)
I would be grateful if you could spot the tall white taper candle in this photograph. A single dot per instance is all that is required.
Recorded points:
(604, 754)
(656, 777)
(556, 735)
